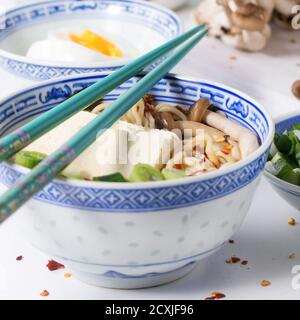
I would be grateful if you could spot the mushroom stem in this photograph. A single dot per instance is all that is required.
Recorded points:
(198, 110)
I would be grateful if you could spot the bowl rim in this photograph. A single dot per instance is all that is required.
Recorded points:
(163, 183)
(77, 65)
(275, 180)
(281, 184)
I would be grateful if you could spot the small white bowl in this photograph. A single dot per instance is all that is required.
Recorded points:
(143, 24)
(138, 235)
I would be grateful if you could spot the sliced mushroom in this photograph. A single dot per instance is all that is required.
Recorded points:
(198, 110)
(247, 140)
(243, 24)
(164, 120)
(296, 89)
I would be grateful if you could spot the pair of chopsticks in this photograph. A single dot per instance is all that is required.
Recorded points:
(48, 169)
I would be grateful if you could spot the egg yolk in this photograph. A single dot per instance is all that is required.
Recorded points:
(98, 43)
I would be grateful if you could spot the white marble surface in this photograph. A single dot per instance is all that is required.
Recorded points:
(265, 239)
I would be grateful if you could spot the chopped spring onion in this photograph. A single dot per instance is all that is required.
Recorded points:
(292, 176)
(29, 159)
(284, 157)
(281, 165)
(144, 172)
(284, 144)
(115, 177)
(296, 126)
(63, 175)
(170, 174)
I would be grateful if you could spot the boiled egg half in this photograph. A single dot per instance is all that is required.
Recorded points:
(81, 46)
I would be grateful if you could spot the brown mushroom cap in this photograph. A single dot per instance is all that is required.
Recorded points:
(296, 89)
(250, 23)
(198, 110)
(164, 120)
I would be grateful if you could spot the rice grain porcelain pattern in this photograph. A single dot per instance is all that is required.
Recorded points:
(138, 234)
(136, 17)
(288, 191)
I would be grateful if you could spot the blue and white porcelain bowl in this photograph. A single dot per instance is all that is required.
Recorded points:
(289, 192)
(148, 22)
(138, 234)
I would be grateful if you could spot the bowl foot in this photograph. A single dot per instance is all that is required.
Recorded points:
(117, 280)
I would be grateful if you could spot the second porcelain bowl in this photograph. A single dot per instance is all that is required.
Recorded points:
(288, 191)
(150, 23)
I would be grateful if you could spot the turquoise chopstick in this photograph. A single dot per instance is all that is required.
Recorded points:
(20, 138)
(57, 161)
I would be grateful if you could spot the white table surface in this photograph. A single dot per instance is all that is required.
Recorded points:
(265, 240)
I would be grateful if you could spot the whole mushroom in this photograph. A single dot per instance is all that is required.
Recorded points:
(243, 24)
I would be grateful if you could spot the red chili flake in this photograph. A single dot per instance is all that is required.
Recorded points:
(231, 241)
(233, 260)
(53, 265)
(216, 296)
(210, 298)
(44, 293)
(178, 166)
(226, 152)
(244, 262)
(265, 283)
(19, 258)
(220, 295)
